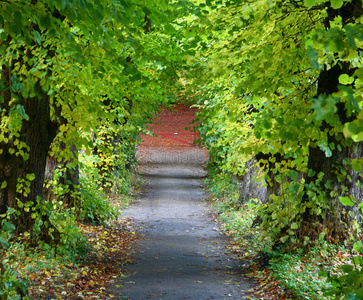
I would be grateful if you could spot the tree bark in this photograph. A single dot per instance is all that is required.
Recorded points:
(331, 166)
(37, 132)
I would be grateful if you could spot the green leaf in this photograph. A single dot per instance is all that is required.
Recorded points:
(8, 226)
(346, 201)
(345, 79)
(358, 246)
(311, 173)
(38, 37)
(309, 3)
(16, 84)
(4, 184)
(323, 273)
(352, 127)
(4, 242)
(21, 111)
(294, 187)
(284, 238)
(294, 225)
(82, 4)
(352, 296)
(336, 3)
(293, 175)
(15, 28)
(30, 177)
(63, 4)
(357, 165)
(45, 22)
(346, 268)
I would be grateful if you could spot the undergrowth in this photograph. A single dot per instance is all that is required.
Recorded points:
(309, 271)
(89, 228)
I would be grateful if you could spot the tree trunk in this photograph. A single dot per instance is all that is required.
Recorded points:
(37, 132)
(339, 177)
(251, 185)
(347, 183)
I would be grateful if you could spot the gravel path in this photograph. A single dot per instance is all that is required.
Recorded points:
(182, 254)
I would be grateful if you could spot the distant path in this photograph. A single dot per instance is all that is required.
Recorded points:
(182, 254)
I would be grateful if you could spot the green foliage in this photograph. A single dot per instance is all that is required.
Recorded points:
(297, 270)
(71, 242)
(98, 72)
(280, 82)
(259, 74)
(221, 186)
(349, 283)
(91, 204)
(21, 256)
(12, 286)
(300, 271)
(95, 72)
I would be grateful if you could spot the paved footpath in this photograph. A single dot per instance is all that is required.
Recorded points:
(182, 253)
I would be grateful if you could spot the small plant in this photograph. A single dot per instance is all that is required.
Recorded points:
(221, 186)
(92, 204)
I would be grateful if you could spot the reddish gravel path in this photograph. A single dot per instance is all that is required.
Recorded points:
(161, 148)
(176, 121)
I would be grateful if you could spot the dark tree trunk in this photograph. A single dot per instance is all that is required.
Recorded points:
(37, 132)
(347, 184)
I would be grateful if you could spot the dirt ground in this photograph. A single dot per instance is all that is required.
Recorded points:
(182, 252)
